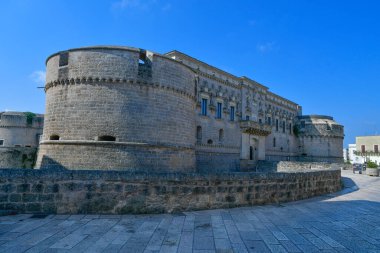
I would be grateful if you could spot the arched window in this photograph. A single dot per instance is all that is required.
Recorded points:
(106, 138)
(209, 142)
(54, 137)
(221, 134)
(199, 134)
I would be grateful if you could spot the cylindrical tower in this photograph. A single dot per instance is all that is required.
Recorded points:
(118, 108)
(321, 138)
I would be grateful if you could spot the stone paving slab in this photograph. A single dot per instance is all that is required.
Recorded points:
(348, 221)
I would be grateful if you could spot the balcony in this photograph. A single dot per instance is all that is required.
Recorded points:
(367, 153)
(254, 128)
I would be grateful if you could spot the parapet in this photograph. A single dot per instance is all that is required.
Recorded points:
(319, 126)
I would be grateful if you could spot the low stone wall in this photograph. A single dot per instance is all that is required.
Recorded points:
(115, 192)
(17, 157)
(285, 166)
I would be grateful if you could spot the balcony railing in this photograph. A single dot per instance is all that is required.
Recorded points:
(255, 128)
(367, 153)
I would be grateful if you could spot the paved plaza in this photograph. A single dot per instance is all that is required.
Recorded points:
(345, 222)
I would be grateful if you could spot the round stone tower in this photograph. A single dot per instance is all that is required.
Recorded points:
(118, 108)
(321, 138)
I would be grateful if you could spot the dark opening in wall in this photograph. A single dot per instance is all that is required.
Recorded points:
(209, 141)
(63, 59)
(145, 65)
(199, 134)
(1, 142)
(221, 134)
(54, 137)
(106, 138)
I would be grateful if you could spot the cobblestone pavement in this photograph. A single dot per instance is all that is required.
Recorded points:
(345, 222)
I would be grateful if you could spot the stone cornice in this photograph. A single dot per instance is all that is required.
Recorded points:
(216, 146)
(225, 82)
(112, 143)
(100, 81)
(30, 127)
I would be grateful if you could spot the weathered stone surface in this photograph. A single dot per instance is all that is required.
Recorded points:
(116, 192)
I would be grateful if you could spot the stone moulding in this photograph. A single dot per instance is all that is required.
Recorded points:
(115, 192)
(100, 81)
(91, 142)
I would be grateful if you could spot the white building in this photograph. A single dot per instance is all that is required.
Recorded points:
(365, 149)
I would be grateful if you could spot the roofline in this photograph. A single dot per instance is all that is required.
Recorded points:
(122, 48)
(202, 62)
(242, 78)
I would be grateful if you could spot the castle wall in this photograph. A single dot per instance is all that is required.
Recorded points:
(18, 157)
(109, 93)
(120, 192)
(16, 131)
(19, 139)
(321, 139)
(118, 105)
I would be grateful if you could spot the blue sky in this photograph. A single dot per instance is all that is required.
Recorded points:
(322, 54)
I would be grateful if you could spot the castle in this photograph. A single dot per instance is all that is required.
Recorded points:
(122, 108)
(20, 134)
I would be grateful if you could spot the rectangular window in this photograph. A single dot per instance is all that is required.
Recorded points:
(232, 113)
(247, 117)
(63, 59)
(1, 142)
(260, 121)
(269, 121)
(219, 111)
(204, 106)
(363, 148)
(376, 148)
(290, 128)
(283, 126)
(274, 142)
(303, 124)
(276, 124)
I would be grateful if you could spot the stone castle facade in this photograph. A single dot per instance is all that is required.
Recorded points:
(122, 108)
(20, 133)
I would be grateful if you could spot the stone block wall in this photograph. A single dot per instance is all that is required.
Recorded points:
(141, 101)
(17, 157)
(117, 192)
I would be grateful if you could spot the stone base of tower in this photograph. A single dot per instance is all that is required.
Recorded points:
(95, 155)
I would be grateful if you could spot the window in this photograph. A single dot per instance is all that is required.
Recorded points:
(204, 106)
(303, 124)
(1, 142)
(63, 59)
(219, 110)
(274, 142)
(247, 117)
(283, 126)
(277, 124)
(328, 127)
(363, 148)
(290, 128)
(209, 141)
(54, 137)
(260, 121)
(221, 134)
(376, 148)
(269, 121)
(232, 113)
(145, 66)
(106, 138)
(199, 134)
